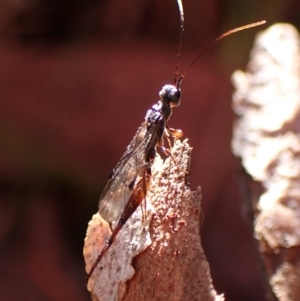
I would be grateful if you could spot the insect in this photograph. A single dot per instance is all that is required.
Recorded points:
(129, 181)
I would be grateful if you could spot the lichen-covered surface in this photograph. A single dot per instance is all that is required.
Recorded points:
(108, 282)
(174, 266)
(267, 139)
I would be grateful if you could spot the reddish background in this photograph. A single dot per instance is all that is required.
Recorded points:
(76, 79)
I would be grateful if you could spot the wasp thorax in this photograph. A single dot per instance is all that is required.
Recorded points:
(171, 94)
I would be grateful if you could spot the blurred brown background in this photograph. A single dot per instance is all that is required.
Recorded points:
(76, 79)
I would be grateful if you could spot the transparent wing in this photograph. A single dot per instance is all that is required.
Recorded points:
(119, 187)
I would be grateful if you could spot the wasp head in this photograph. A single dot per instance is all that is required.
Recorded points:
(170, 94)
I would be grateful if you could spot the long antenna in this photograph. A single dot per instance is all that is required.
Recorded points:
(213, 43)
(180, 40)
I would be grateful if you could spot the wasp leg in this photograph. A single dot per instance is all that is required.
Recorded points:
(167, 136)
(176, 134)
(147, 175)
(150, 156)
(144, 214)
(166, 151)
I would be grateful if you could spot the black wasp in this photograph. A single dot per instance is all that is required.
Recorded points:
(129, 182)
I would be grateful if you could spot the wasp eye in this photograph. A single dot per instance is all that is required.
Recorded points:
(171, 94)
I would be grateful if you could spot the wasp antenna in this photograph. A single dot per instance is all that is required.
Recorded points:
(180, 40)
(218, 39)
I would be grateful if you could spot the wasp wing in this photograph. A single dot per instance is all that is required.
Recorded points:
(124, 176)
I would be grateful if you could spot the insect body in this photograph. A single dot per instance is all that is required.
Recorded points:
(128, 184)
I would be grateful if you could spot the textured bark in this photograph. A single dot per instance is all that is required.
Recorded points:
(266, 138)
(174, 266)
